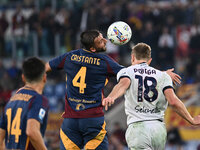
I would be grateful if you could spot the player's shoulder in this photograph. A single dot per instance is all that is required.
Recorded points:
(40, 97)
(128, 69)
(166, 76)
(124, 72)
(158, 72)
(41, 100)
(104, 56)
(76, 51)
(83, 52)
(162, 75)
(72, 52)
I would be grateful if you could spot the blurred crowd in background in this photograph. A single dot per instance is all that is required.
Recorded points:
(47, 28)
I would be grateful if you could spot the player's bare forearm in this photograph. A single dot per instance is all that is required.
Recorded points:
(37, 141)
(117, 91)
(180, 108)
(175, 77)
(2, 137)
(47, 67)
(33, 132)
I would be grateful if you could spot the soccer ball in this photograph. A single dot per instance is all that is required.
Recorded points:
(119, 33)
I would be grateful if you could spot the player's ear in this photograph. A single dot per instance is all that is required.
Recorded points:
(149, 61)
(45, 78)
(23, 78)
(132, 58)
(92, 49)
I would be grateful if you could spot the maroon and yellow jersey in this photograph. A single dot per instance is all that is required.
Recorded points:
(86, 77)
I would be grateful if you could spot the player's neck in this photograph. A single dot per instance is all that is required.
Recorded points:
(138, 62)
(38, 87)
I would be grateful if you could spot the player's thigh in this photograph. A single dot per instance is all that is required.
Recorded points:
(103, 145)
(70, 137)
(95, 135)
(146, 135)
(158, 135)
(136, 137)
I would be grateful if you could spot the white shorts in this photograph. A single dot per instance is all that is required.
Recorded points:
(146, 135)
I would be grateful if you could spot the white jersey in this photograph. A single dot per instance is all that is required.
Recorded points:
(144, 99)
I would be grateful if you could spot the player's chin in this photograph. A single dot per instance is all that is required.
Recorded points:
(104, 48)
(101, 49)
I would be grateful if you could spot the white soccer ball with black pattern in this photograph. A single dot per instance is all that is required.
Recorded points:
(119, 33)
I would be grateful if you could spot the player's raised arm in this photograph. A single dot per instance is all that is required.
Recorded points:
(33, 132)
(2, 137)
(117, 91)
(175, 77)
(180, 108)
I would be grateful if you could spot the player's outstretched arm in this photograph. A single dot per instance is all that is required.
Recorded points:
(175, 77)
(2, 137)
(118, 90)
(180, 108)
(47, 67)
(33, 132)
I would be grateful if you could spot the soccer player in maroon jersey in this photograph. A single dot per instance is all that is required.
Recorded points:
(24, 118)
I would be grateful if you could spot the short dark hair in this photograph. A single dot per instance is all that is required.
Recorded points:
(33, 69)
(142, 51)
(87, 38)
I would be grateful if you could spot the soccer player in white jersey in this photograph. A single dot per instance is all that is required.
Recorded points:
(147, 93)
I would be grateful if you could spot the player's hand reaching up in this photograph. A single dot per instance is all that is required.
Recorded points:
(118, 90)
(196, 120)
(108, 101)
(175, 77)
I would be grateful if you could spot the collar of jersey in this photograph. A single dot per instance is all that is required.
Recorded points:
(28, 88)
(25, 88)
(87, 51)
(143, 63)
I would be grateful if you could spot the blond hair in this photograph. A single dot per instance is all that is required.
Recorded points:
(142, 51)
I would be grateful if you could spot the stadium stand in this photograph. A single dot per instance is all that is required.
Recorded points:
(47, 28)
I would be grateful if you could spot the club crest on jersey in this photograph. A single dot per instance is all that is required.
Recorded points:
(42, 113)
(119, 35)
(80, 106)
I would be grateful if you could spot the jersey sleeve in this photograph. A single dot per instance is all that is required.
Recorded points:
(123, 73)
(38, 109)
(167, 82)
(2, 122)
(112, 66)
(58, 62)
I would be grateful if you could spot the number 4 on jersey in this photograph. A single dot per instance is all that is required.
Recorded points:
(81, 84)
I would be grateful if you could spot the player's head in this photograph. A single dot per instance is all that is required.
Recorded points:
(93, 40)
(33, 70)
(141, 51)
